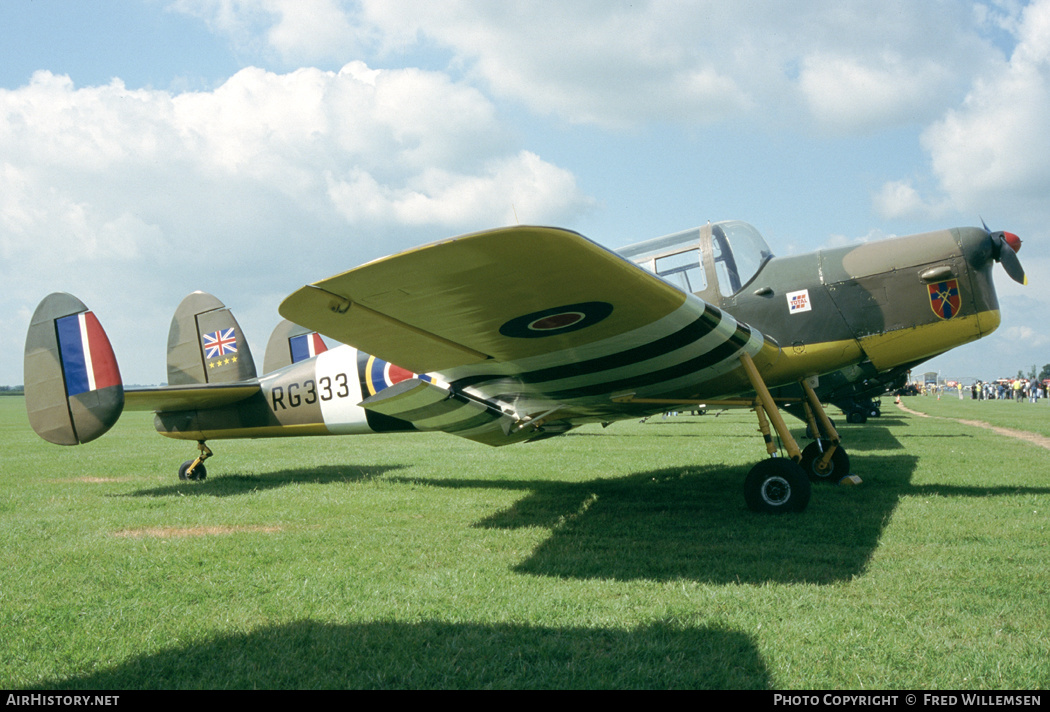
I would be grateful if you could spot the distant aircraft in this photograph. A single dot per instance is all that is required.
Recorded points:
(523, 333)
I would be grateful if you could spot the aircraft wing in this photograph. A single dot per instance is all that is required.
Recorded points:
(453, 303)
(531, 321)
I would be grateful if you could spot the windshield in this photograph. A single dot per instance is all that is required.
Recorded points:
(739, 252)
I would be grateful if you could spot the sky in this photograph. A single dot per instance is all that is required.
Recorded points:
(151, 148)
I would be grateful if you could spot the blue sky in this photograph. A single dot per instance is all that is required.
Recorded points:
(246, 147)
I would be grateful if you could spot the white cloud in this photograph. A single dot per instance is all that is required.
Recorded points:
(852, 67)
(269, 181)
(298, 31)
(859, 92)
(996, 146)
(991, 150)
(515, 185)
(606, 63)
(899, 199)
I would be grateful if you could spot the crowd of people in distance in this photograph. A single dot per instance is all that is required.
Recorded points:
(1020, 390)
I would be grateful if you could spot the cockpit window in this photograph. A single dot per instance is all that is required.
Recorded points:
(683, 270)
(675, 258)
(739, 252)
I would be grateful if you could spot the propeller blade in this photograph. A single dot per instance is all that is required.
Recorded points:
(1008, 259)
(1004, 250)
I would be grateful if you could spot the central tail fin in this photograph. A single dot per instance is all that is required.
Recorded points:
(290, 343)
(73, 389)
(206, 344)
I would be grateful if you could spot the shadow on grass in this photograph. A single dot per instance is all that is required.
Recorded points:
(693, 524)
(430, 655)
(228, 485)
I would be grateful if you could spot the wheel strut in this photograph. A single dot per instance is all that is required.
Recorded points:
(194, 469)
(776, 484)
(826, 459)
(767, 404)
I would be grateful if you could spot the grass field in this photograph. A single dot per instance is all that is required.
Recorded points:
(616, 558)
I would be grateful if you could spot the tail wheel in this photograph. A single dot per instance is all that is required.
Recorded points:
(200, 472)
(776, 485)
(834, 471)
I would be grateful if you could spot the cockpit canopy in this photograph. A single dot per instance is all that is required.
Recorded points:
(735, 253)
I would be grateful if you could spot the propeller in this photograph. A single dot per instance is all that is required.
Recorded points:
(1005, 246)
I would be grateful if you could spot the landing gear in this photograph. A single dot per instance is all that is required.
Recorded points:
(776, 485)
(782, 484)
(194, 469)
(198, 473)
(824, 460)
(822, 469)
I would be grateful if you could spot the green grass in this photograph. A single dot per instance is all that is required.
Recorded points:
(615, 558)
(1033, 417)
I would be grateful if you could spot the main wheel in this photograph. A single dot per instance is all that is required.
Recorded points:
(834, 471)
(199, 472)
(776, 485)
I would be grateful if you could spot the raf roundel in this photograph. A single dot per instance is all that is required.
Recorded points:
(556, 321)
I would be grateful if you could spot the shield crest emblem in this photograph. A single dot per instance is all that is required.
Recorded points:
(945, 299)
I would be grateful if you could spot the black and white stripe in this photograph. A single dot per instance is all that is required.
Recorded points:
(682, 355)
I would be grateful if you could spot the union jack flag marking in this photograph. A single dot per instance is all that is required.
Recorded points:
(220, 343)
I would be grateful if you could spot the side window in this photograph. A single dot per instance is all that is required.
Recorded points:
(683, 270)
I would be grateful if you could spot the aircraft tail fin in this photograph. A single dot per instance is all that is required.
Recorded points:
(73, 388)
(290, 343)
(206, 344)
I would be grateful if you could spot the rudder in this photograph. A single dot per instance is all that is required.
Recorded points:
(73, 388)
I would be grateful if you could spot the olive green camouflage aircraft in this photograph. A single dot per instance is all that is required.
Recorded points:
(523, 333)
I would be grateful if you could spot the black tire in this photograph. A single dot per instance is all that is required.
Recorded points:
(200, 472)
(775, 486)
(836, 469)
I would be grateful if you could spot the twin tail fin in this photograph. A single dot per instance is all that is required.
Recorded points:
(206, 344)
(74, 392)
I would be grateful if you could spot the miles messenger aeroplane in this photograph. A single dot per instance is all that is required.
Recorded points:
(523, 333)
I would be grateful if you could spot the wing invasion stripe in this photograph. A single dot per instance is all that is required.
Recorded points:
(468, 412)
(706, 360)
(697, 329)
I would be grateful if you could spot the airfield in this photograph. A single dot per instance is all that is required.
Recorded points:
(607, 558)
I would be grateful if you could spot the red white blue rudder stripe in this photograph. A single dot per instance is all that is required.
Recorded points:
(306, 346)
(73, 389)
(87, 356)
